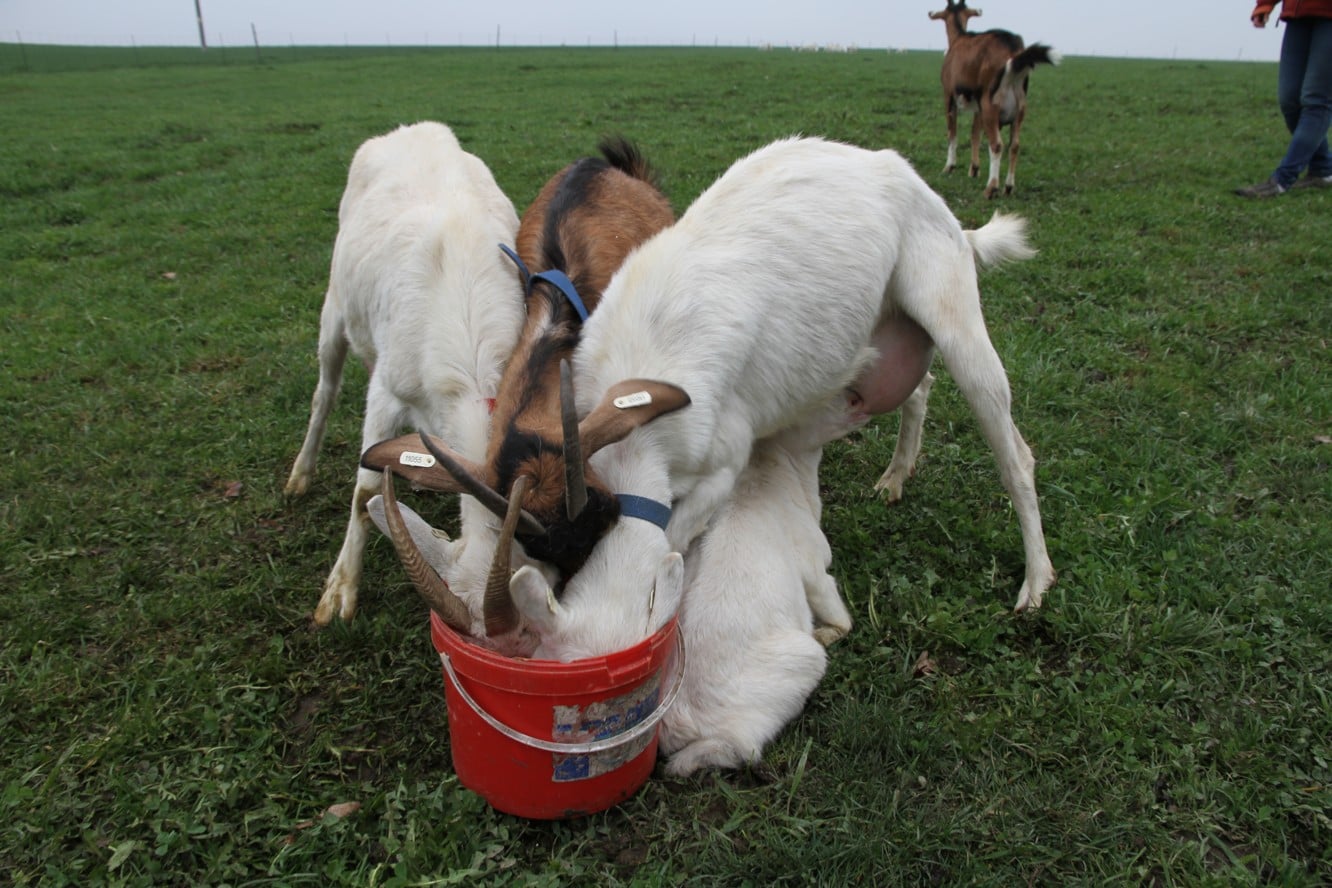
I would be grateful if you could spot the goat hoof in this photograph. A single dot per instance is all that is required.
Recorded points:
(1026, 603)
(1033, 589)
(890, 484)
(827, 635)
(335, 602)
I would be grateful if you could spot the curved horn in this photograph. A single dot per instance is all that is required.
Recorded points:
(627, 405)
(404, 456)
(428, 584)
(484, 493)
(575, 485)
(500, 613)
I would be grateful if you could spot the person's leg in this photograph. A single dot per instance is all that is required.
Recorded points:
(1304, 91)
(1318, 79)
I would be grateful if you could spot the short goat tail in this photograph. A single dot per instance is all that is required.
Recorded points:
(1002, 239)
(1036, 54)
(625, 157)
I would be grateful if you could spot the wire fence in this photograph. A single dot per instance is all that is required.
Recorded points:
(49, 58)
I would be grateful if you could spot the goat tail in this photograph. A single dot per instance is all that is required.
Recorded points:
(624, 156)
(1036, 54)
(1002, 239)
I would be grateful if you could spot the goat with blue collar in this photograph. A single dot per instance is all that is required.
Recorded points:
(810, 271)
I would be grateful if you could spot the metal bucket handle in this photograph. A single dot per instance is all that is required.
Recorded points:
(590, 746)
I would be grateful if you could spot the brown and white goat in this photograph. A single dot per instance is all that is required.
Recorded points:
(986, 73)
(573, 237)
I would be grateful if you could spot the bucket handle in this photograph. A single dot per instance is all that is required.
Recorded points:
(590, 746)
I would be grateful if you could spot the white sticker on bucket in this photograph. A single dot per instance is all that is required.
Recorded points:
(597, 721)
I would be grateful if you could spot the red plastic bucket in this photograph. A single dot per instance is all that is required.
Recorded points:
(548, 740)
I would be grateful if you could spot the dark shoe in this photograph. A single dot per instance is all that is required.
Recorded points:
(1312, 182)
(1270, 188)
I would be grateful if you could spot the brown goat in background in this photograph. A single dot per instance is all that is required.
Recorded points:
(987, 73)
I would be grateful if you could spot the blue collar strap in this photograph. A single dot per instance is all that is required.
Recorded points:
(556, 278)
(522, 269)
(560, 281)
(645, 509)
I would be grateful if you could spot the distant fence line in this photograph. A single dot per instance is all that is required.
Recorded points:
(46, 56)
(501, 36)
(51, 58)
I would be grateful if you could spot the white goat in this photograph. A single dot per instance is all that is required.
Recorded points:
(756, 587)
(420, 292)
(759, 303)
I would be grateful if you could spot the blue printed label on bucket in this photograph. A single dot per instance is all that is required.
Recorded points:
(597, 721)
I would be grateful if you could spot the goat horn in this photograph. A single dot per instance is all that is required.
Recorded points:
(628, 404)
(428, 584)
(575, 485)
(500, 613)
(484, 493)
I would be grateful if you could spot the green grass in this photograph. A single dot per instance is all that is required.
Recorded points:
(169, 715)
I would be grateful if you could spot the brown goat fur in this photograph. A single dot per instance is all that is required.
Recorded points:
(591, 214)
(584, 222)
(987, 73)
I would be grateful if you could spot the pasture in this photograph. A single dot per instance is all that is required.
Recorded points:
(168, 715)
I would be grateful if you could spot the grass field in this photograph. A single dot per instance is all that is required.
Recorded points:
(168, 715)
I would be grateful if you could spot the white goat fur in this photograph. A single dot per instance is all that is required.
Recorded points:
(760, 303)
(420, 292)
(756, 587)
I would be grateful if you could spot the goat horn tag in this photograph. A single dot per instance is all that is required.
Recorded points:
(435, 592)
(500, 612)
(627, 405)
(575, 484)
(484, 493)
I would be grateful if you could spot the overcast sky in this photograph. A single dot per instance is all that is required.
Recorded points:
(1185, 29)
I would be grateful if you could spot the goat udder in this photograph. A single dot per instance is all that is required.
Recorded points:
(904, 357)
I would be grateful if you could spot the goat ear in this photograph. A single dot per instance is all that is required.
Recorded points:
(426, 576)
(535, 600)
(668, 589)
(439, 551)
(409, 459)
(626, 406)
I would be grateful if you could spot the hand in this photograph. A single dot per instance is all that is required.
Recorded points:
(1259, 19)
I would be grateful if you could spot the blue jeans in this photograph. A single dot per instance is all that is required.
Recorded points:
(1304, 91)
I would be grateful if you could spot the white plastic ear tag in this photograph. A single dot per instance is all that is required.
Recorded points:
(416, 460)
(637, 399)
